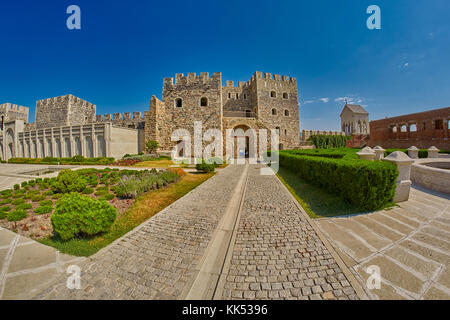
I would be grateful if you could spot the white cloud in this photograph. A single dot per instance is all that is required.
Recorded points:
(350, 100)
(324, 100)
(313, 100)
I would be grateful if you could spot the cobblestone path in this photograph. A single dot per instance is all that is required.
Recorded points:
(277, 254)
(274, 252)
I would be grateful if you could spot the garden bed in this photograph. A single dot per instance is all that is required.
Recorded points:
(33, 202)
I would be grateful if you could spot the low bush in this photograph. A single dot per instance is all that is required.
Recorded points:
(24, 206)
(24, 184)
(5, 209)
(16, 187)
(16, 215)
(18, 201)
(107, 197)
(77, 215)
(46, 203)
(5, 201)
(38, 198)
(366, 184)
(205, 167)
(329, 141)
(131, 186)
(88, 191)
(43, 210)
(69, 181)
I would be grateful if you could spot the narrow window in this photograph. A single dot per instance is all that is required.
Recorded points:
(286, 113)
(438, 124)
(248, 113)
(229, 95)
(394, 129)
(403, 128)
(245, 96)
(204, 102)
(278, 129)
(273, 94)
(412, 128)
(178, 103)
(285, 132)
(237, 95)
(424, 125)
(274, 112)
(285, 95)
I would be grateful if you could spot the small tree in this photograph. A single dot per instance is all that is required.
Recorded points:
(151, 146)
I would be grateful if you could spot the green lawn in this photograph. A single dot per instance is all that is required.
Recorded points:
(316, 202)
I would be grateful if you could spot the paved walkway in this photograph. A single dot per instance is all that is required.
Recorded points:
(27, 266)
(410, 244)
(274, 253)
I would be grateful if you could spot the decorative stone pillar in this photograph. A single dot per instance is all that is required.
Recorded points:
(379, 152)
(403, 184)
(433, 152)
(413, 152)
(366, 153)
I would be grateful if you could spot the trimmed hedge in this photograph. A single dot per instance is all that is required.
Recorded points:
(75, 160)
(329, 141)
(366, 184)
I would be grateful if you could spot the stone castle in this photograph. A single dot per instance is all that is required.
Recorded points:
(67, 126)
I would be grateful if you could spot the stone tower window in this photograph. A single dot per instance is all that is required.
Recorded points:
(274, 112)
(204, 102)
(245, 96)
(178, 103)
(285, 95)
(285, 132)
(237, 95)
(286, 113)
(229, 95)
(273, 94)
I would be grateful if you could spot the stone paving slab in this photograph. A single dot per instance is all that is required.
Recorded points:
(27, 266)
(413, 254)
(277, 254)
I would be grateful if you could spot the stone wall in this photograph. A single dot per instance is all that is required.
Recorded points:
(11, 112)
(64, 111)
(278, 94)
(423, 130)
(171, 114)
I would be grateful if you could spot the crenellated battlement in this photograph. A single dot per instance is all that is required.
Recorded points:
(192, 78)
(69, 98)
(119, 117)
(14, 107)
(270, 76)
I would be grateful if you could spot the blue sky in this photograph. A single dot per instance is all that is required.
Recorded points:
(125, 48)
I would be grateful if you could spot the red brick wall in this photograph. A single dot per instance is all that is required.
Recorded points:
(428, 132)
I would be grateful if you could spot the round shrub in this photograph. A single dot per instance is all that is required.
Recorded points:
(69, 181)
(81, 215)
(16, 187)
(43, 210)
(16, 215)
(24, 184)
(3, 214)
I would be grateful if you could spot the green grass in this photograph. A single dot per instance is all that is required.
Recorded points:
(316, 202)
(144, 208)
